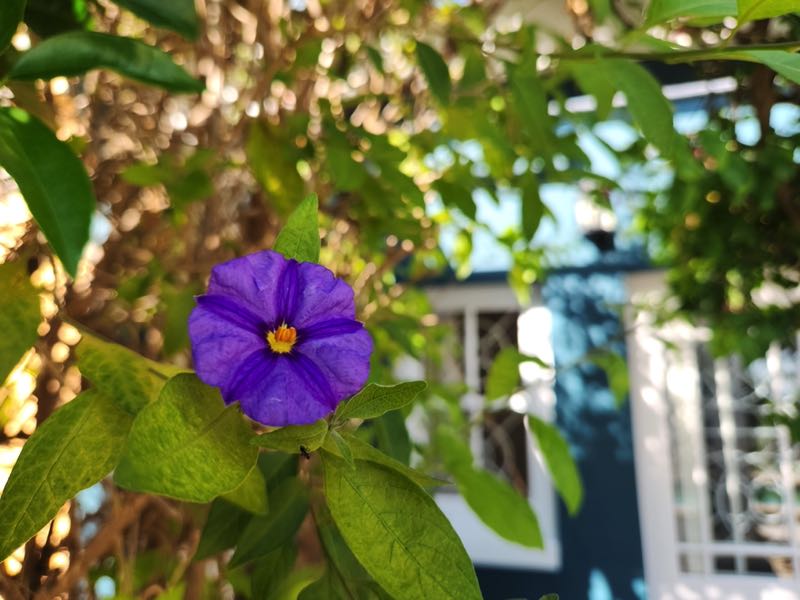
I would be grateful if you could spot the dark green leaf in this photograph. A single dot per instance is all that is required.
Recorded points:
(177, 304)
(51, 17)
(11, 12)
(132, 380)
(288, 508)
(596, 83)
(392, 436)
(375, 400)
(75, 52)
(560, 464)
(252, 494)
(178, 15)
(616, 370)
(19, 315)
(223, 527)
(456, 196)
(497, 504)
(397, 532)
(187, 445)
(752, 10)
(271, 571)
(74, 448)
(713, 10)
(549, 597)
(52, 180)
(299, 239)
(293, 585)
(290, 439)
(436, 72)
(346, 173)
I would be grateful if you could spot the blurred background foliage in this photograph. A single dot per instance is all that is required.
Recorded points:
(397, 114)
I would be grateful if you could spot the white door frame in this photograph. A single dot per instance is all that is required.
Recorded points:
(652, 378)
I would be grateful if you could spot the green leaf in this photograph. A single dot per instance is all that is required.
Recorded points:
(52, 180)
(50, 17)
(397, 532)
(495, 502)
(375, 400)
(648, 107)
(362, 450)
(11, 12)
(299, 238)
(177, 306)
(132, 380)
(532, 207)
(616, 370)
(503, 377)
(75, 52)
(342, 448)
(19, 315)
(292, 438)
(560, 464)
(783, 63)
(74, 448)
(270, 571)
(187, 445)
(296, 583)
(752, 10)
(289, 505)
(177, 15)
(252, 494)
(436, 72)
(223, 527)
(457, 196)
(530, 102)
(661, 11)
(346, 173)
(596, 83)
(549, 597)
(392, 436)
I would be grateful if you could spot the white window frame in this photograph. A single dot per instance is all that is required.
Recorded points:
(651, 379)
(534, 324)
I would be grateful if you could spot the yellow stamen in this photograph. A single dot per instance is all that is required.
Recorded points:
(282, 339)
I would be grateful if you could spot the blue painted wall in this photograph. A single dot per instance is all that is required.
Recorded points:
(601, 546)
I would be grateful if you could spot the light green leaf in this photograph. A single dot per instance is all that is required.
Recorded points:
(177, 15)
(187, 445)
(436, 72)
(347, 174)
(375, 400)
(661, 11)
(289, 505)
(52, 180)
(296, 582)
(223, 527)
(560, 464)
(252, 494)
(503, 377)
(132, 380)
(299, 238)
(364, 451)
(11, 12)
(74, 448)
(782, 62)
(292, 438)
(530, 102)
(495, 502)
(752, 10)
(339, 446)
(19, 315)
(75, 52)
(595, 82)
(397, 532)
(616, 370)
(648, 107)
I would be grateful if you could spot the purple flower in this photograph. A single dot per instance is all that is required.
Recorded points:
(280, 337)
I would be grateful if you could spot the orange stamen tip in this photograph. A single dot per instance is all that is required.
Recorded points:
(282, 340)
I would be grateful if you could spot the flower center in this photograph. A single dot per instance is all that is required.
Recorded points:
(282, 339)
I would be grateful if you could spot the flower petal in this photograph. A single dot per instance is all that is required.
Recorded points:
(233, 311)
(323, 296)
(342, 359)
(251, 279)
(219, 346)
(285, 396)
(330, 328)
